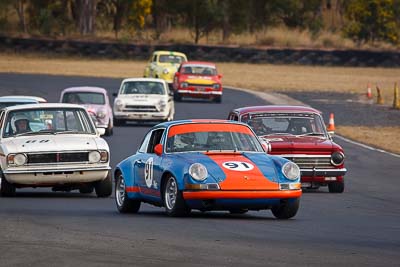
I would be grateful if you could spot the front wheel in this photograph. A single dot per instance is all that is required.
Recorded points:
(174, 203)
(336, 187)
(7, 189)
(118, 122)
(124, 204)
(103, 188)
(286, 209)
(109, 129)
(177, 96)
(218, 99)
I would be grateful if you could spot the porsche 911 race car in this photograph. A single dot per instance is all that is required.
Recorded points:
(206, 165)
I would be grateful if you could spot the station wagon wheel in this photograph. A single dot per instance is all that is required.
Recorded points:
(103, 188)
(286, 209)
(173, 200)
(124, 203)
(7, 189)
(109, 129)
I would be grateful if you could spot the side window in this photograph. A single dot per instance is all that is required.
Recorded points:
(233, 117)
(155, 139)
(143, 146)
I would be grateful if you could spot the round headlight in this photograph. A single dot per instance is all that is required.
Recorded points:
(291, 171)
(101, 114)
(184, 84)
(94, 156)
(118, 104)
(165, 71)
(216, 86)
(198, 171)
(19, 159)
(337, 158)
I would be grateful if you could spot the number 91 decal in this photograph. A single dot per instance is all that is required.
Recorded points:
(238, 166)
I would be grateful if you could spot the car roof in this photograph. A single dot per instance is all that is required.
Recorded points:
(177, 122)
(144, 80)
(43, 105)
(165, 52)
(276, 109)
(93, 89)
(22, 98)
(201, 63)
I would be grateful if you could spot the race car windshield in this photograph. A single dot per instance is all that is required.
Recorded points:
(84, 98)
(143, 87)
(171, 59)
(199, 70)
(199, 140)
(47, 121)
(290, 124)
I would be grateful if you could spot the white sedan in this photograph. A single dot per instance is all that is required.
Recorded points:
(143, 99)
(52, 145)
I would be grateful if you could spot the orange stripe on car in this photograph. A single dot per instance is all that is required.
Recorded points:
(132, 189)
(207, 127)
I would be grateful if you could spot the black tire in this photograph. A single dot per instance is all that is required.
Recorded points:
(177, 97)
(7, 189)
(336, 187)
(124, 204)
(218, 99)
(118, 122)
(86, 189)
(103, 188)
(109, 129)
(175, 205)
(287, 209)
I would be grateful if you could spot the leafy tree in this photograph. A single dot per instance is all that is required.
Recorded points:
(372, 20)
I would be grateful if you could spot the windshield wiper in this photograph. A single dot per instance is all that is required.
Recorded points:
(312, 134)
(276, 134)
(37, 133)
(70, 132)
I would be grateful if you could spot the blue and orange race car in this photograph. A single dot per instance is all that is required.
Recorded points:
(206, 165)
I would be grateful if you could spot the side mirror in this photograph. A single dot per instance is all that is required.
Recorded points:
(115, 94)
(158, 149)
(101, 131)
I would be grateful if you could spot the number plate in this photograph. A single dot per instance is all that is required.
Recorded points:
(305, 184)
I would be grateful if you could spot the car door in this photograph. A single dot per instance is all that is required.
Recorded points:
(149, 168)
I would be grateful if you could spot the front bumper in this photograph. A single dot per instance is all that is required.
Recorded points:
(245, 194)
(197, 92)
(153, 116)
(323, 172)
(58, 175)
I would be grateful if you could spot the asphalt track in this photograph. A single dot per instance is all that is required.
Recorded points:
(360, 227)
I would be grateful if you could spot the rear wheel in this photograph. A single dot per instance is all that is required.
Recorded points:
(124, 204)
(103, 188)
(7, 189)
(336, 187)
(174, 203)
(286, 209)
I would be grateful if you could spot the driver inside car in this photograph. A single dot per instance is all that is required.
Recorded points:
(20, 124)
(259, 127)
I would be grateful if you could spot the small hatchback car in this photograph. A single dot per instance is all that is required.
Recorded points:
(206, 165)
(143, 99)
(52, 145)
(95, 100)
(197, 79)
(298, 133)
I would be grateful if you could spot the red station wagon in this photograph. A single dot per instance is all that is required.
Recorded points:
(299, 134)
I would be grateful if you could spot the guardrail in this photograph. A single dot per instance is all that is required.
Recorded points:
(361, 58)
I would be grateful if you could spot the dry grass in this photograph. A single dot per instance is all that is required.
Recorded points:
(252, 76)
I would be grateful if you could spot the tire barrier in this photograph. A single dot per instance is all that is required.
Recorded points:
(360, 58)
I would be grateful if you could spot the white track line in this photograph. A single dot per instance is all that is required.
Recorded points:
(282, 99)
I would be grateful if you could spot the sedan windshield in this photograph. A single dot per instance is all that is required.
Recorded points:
(171, 59)
(196, 137)
(84, 98)
(47, 121)
(199, 70)
(143, 87)
(285, 123)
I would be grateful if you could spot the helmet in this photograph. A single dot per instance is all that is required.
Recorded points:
(16, 118)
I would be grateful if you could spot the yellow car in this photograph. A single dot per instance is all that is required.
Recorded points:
(164, 64)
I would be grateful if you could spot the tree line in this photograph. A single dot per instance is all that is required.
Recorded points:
(361, 20)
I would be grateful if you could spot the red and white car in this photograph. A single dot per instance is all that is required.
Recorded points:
(197, 79)
(299, 134)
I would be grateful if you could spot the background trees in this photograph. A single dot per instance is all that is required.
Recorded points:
(364, 21)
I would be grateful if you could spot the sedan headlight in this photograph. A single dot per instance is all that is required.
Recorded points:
(16, 159)
(198, 171)
(216, 86)
(337, 158)
(118, 104)
(184, 84)
(291, 170)
(101, 114)
(162, 105)
(165, 71)
(94, 156)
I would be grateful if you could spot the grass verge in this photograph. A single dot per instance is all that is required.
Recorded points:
(259, 77)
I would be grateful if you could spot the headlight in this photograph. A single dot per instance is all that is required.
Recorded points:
(216, 86)
(101, 114)
(16, 159)
(184, 84)
(165, 71)
(103, 156)
(291, 171)
(94, 156)
(337, 158)
(198, 171)
(118, 104)
(162, 105)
